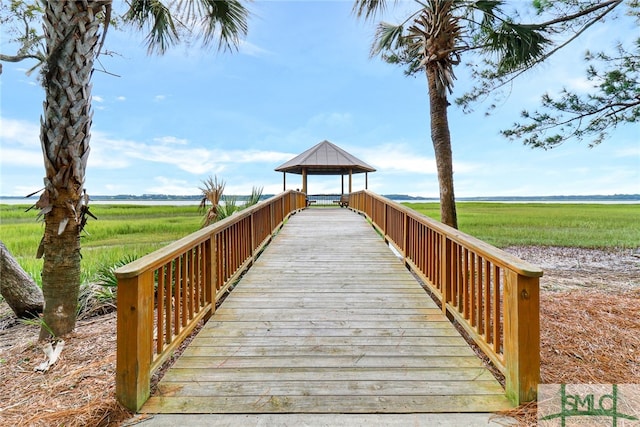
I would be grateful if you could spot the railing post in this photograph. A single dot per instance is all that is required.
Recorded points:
(134, 340)
(445, 270)
(405, 235)
(272, 219)
(384, 218)
(252, 231)
(211, 273)
(521, 337)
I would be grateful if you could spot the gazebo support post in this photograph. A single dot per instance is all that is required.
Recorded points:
(342, 185)
(350, 181)
(304, 180)
(366, 180)
(284, 181)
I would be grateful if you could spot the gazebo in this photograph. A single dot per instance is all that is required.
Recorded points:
(325, 158)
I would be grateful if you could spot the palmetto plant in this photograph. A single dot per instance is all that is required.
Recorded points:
(254, 198)
(215, 208)
(210, 204)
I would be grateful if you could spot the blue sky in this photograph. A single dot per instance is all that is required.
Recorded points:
(304, 75)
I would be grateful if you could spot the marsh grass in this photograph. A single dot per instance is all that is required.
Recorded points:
(123, 231)
(546, 224)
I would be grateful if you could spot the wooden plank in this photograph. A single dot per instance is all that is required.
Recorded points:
(328, 320)
(328, 388)
(351, 350)
(336, 304)
(323, 315)
(215, 325)
(275, 375)
(240, 331)
(339, 287)
(327, 404)
(308, 361)
(329, 341)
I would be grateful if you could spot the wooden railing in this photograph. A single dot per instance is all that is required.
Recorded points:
(162, 296)
(493, 295)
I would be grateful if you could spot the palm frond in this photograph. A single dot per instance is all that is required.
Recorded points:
(153, 13)
(517, 45)
(368, 8)
(228, 208)
(388, 37)
(217, 20)
(254, 198)
(489, 10)
(224, 21)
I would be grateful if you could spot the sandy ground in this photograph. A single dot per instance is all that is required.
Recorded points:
(566, 269)
(581, 289)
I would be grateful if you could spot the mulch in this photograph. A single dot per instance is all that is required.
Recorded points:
(79, 390)
(587, 336)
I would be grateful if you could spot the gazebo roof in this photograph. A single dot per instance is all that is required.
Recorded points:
(325, 158)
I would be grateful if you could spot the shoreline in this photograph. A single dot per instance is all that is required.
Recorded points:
(193, 202)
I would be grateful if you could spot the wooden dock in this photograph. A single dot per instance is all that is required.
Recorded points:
(327, 320)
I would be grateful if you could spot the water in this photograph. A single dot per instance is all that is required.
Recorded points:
(23, 201)
(113, 202)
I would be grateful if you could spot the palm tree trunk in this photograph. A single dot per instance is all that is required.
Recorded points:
(71, 35)
(441, 139)
(60, 270)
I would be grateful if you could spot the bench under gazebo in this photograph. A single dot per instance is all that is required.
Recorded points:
(325, 158)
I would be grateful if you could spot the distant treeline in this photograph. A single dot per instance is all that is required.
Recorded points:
(595, 198)
(241, 198)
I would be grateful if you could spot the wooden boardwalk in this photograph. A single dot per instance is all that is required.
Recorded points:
(328, 320)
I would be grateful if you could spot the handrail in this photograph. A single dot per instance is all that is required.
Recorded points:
(493, 295)
(163, 295)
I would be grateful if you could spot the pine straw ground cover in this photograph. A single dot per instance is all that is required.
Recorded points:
(77, 391)
(590, 333)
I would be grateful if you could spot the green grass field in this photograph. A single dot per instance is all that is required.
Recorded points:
(121, 231)
(546, 224)
(134, 230)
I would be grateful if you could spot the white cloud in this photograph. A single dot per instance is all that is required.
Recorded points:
(331, 119)
(628, 152)
(97, 98)
(159, 98)
(256, 156)
(108, 153)
(18, 157)
(166, 185)
(19, 132)
(116, 189)
(252, 50)
(580, 84)
(195, 160)
(394, 157)
(171, 140)
(121, 98)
